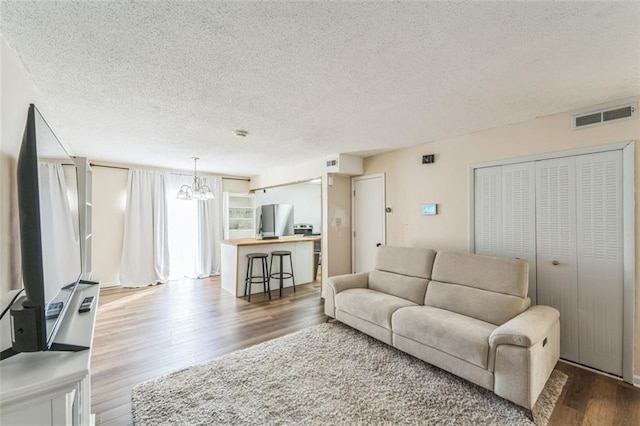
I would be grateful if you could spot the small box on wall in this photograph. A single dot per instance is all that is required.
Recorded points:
(428, 159)
(429, 209)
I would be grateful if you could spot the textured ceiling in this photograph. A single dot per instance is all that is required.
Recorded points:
(157, 82)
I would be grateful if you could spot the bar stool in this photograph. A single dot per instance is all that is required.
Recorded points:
(281, 275)
(257, 279)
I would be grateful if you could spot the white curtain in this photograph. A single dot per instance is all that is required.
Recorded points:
(183, 229)
(145, 249)
(195, 230)
(209, 230)
(61, 248)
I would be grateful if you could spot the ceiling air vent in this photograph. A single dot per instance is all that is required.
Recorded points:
(604, 116)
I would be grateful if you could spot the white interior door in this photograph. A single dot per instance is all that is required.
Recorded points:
(488, 221)
(368, 212)
(519, 217)
(556, 247)
(505, 214)
(600, 259)
(565, 216)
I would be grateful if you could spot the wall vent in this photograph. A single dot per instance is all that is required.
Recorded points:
(604, 116)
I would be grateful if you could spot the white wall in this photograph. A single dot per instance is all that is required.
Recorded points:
(336, 240)
(235, 185)
(305, 197)
(287, 175)
(17, 92)
(109, 200)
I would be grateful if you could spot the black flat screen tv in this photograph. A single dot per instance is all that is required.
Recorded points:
(49, 237)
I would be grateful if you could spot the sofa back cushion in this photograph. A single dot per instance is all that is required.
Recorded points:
(487, 306)
(499, 274)
(491, 289)
(402, 272)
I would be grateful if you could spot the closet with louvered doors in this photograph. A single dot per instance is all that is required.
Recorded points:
(565, 217)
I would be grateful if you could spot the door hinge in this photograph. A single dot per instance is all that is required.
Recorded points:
(354, 192)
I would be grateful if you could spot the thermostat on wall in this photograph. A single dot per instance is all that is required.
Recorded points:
(429, 209)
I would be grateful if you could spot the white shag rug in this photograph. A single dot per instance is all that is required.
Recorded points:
(327, 374)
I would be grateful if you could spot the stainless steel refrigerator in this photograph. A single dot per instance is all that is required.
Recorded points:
(275, 220)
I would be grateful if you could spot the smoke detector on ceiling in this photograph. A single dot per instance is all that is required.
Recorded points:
(597, 118)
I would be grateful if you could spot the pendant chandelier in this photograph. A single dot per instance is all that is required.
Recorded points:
(196, 191)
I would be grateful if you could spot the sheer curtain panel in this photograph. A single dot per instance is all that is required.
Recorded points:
(57, 220)
(183, 229)
(195, 230)
(145, 249)
(209, 230)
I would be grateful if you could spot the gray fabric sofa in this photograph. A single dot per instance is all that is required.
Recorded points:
(465, 313)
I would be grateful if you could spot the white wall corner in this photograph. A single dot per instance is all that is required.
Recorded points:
(287, 175)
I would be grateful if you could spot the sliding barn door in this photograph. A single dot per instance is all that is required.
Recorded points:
(556, 247)
(600, 254)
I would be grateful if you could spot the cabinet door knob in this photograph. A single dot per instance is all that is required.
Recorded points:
(555, 263)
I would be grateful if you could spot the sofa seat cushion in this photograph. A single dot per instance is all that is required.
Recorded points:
(455, 334)
(370, 305)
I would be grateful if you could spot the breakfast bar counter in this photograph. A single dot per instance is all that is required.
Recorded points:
(233, 268)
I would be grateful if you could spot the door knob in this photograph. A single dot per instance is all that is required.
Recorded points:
(555, 263)
(378, 245)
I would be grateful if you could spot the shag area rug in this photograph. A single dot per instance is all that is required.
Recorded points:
(327, 374)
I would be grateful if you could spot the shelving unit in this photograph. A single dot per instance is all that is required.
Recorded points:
(85, 213)
(239, 215)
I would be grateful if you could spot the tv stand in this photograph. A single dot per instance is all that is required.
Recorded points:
(52, 387)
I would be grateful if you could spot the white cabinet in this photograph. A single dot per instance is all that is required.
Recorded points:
(51, 388)
(239, 215)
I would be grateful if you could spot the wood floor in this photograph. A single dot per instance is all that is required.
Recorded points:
(145, 333)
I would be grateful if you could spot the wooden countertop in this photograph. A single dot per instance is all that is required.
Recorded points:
(281, 240)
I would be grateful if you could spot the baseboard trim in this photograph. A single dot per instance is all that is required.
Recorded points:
(111, 284)
(594, 370)
(636, 380)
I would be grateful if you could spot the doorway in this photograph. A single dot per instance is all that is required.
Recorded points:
(368, 220)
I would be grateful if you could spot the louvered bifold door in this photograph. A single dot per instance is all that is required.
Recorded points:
(488, 223)
(556, 247)
(600, 255)
(518, 217)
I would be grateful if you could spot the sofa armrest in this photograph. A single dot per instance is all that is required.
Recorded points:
(341, 283)
(525, 329)
(345, 282)
(523, 353)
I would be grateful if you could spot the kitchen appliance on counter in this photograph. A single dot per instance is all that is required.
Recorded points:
(303, 229)
(306, 230)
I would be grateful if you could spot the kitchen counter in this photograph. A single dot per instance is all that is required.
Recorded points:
(281, 240)
(233, 268)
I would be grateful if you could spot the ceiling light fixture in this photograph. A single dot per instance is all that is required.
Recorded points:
(197, 191)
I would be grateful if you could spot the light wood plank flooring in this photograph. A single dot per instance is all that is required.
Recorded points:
(145, 333)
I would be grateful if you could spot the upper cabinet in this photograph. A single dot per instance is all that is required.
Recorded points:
(239, 211)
